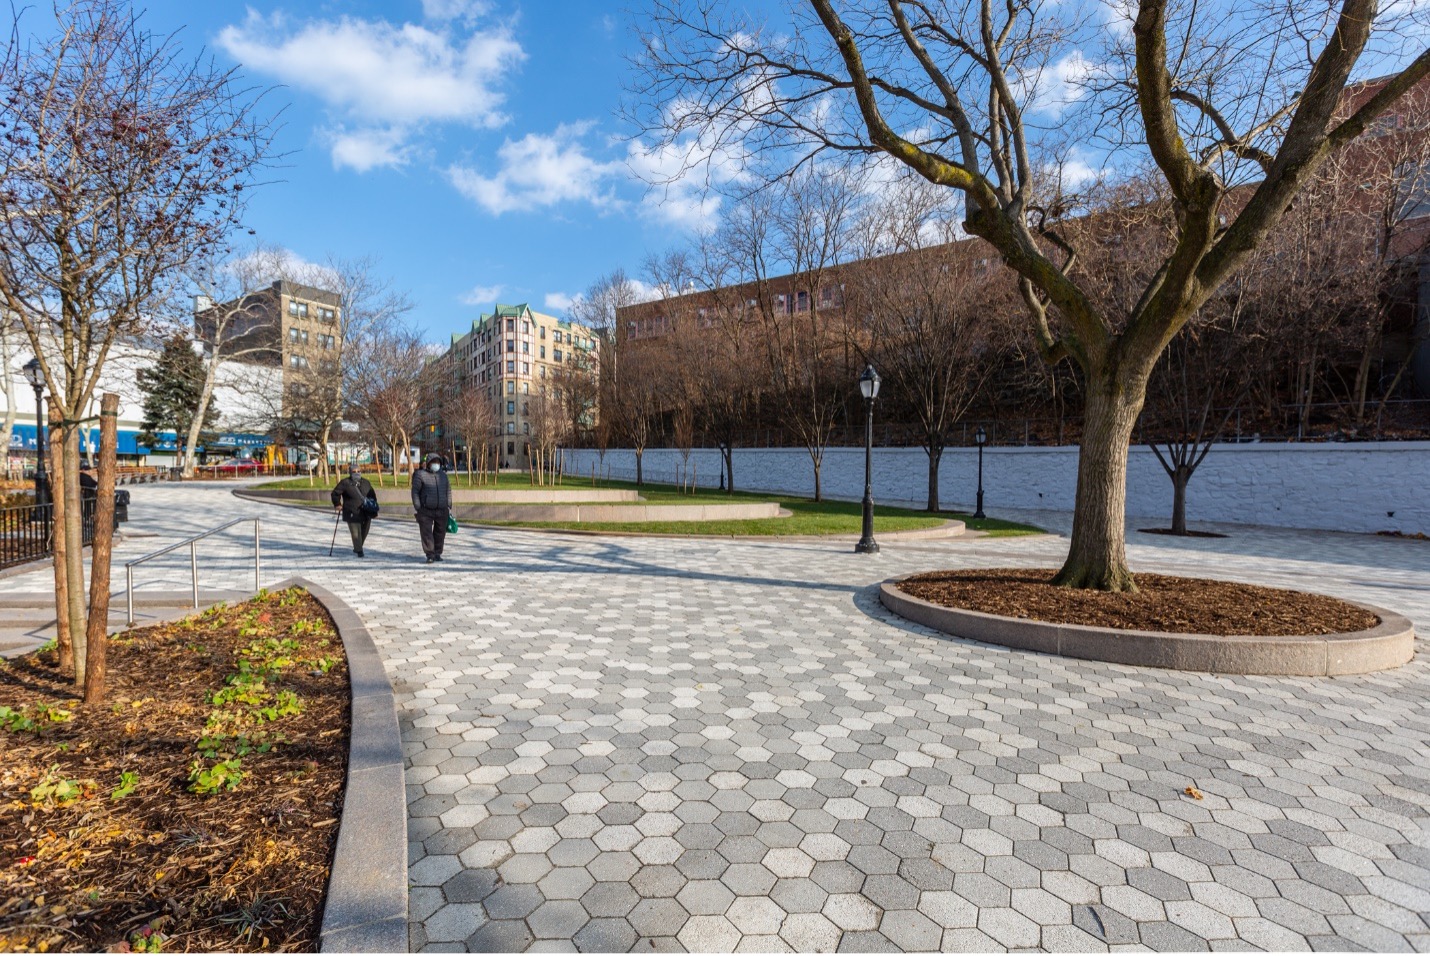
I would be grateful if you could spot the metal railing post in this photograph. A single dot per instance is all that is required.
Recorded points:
(257, 561)
(129, 591)
(194, 567)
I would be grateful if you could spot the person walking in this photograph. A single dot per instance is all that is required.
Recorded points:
(432, 500)
(349, 498)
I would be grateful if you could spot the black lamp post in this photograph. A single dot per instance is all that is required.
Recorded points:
(869, 388)
(36, 377)
(980, 438)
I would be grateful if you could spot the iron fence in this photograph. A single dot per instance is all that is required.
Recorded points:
(27, 532)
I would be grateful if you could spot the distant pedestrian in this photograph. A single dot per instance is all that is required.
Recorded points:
(350, 499)
(432, 499)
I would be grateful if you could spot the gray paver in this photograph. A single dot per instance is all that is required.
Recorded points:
(745, 719)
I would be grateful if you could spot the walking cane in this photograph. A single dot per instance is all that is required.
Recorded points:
(335, 535)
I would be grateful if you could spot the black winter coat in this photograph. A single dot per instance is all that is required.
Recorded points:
(351, 494)
(431, 491)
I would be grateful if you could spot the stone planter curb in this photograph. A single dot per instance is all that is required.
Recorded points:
(366, 906)
(1389, 644)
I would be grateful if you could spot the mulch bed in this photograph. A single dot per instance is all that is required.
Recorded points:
(1181, 534)
(1162, 603)
(104, 845)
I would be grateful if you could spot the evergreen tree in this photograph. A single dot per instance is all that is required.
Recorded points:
(172, 388)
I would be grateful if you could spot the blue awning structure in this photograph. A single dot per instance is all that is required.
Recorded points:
(23, 438)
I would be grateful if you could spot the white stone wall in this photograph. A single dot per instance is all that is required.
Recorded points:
(1365, 486)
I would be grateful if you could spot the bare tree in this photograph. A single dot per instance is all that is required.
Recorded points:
(598, 309)
(931, 316)
(468, 413)
(390, 386)
(1209, 98)
(123, 161)
(9, 351)
(231, 323)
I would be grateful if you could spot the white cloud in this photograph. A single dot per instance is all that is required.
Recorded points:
(1057, 86)
(365, 149)
(455, 9)
(538, 171)
(384, 79)
(559, 301)
(482, 294)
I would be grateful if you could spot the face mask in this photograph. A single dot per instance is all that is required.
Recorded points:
(435, 466)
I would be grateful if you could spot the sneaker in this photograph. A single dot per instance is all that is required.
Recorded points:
(437, 557)
(430, 559)
(359, 553)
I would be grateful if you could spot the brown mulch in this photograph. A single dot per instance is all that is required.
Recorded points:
(1180, 534)
(83, 868)
(1162, 603)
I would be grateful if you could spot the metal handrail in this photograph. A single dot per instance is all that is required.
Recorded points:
(193, 561)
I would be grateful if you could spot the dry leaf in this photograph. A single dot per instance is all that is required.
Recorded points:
(1193, 792)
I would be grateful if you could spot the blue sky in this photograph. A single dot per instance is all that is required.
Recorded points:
(472, 146)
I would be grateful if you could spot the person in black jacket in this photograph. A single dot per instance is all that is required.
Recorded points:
(348, 498)
(432, 500)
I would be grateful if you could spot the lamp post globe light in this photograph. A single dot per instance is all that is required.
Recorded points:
(36, 377)
(980, 438)
(869, 388)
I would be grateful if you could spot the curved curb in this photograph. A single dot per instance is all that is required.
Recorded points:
(951, 528)
(1389, 644)
(366, 906)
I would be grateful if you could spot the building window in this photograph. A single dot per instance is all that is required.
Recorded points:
(326, 314)
(801, 302)
(299, 309)
(543, 351)
(511, 345)
(511, 388)
(511, 408)
(511, 428)
(543, 331)
(526, 348)
(526, 388)
(525, 328)
(556, 355)
(526, 428)
(526, 368)
(556, 337)
(511, 325)
(511, 367)
(525, 408)
(541, 370)
(297, 361)
(327, 342)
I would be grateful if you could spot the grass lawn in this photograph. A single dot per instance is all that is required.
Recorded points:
(807, 517)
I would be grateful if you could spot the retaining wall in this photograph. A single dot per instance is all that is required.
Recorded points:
(1362, 486)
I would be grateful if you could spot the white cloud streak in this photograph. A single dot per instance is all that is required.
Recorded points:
(539, 171)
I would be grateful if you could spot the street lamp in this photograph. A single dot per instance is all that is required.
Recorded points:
(980, 438)
(36, 377)
(869, 387)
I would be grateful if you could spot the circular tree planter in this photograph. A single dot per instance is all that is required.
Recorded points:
(1388, 644)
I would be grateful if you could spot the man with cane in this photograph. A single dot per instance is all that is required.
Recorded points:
(354, 502)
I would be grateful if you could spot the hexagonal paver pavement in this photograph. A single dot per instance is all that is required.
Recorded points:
(660, 744)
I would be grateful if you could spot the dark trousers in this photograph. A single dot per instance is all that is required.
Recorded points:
(358, 528)
(434, 530)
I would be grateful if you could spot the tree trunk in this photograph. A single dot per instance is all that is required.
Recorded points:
(1180, 476)
(64, 635)
(74, 548)
(1097, 555)
(729, 452)
(935, 458)
(640, 475)
(196, 426)
(98, 629)
(818, 488)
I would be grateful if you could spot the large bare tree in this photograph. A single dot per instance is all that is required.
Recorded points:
(1206, 97)
(122, 161)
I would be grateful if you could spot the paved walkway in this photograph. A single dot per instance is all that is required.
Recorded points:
(668, 744)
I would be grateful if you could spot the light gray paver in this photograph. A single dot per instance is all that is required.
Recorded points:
(598, 729)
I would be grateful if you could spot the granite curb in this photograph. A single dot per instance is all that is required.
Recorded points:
(952, 528)
(366, 906)
(1389, 644)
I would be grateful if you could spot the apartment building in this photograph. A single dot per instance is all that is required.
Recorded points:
(513, 356)
(288, 326)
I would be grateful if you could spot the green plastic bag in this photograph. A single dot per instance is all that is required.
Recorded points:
(451, 525)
